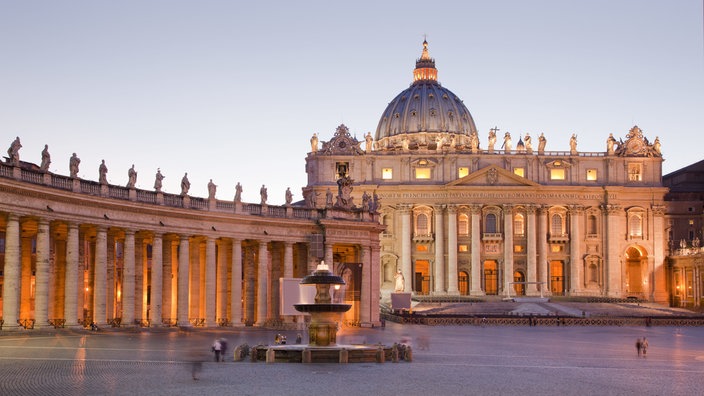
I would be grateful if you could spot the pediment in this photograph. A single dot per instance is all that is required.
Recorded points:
(492, 176)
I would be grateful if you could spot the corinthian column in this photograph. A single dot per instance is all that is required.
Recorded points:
(531, 290)
(406, 268)
(364, 314)
(439, 250)
(11, 288)
(476, 289)
(543, 249)
(41, 299)
(452, 250)
(659, 281)
(508, 248)
(576, 265)
(614, 234)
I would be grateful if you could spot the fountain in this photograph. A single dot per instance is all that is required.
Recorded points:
(322, 344)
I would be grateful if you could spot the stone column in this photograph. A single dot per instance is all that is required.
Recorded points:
(439, 274)
(156, 298)
(72, 286)
(41, 294)
(614, 235)
(508, 250)
(659, 278)
(182, 302)
(375, 284)
(531, 252)
(141, 278)
(11, 279)
(263, 283)
(542, 265)
(221, 279)
(328, 257)
(128, 281)
(167, 281)
(25, 278)
(100, 297)
(406, 266)
(210, 283)
(288, 259)
(576, 264)
(365, 302)
(452, 250)
(236, 286)
(476, 289)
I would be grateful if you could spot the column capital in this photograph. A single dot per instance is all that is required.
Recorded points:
(404, 208)
(612, 209)
(439, 207)
(576, 209)
(659, 210)
(508, 208)
(452, 209)
(531, 209)
(475, 208)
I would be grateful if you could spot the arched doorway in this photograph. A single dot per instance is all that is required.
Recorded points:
(635, 257)
(463, 282)
(557, 278)
(491, 278)
(519, 288)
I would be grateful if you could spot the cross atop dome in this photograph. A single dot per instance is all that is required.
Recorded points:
(425, 67)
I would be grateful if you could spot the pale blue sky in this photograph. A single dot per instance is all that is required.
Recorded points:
(233, 90)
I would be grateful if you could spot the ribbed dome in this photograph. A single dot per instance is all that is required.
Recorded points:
(424, 107)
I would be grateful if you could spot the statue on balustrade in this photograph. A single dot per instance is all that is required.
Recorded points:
(289, 196)
(573, 144)
(212, 187)
(73, 164)
(46, 159)
(238, 192)
(542, 141)
(103, 173)
(131, 177)
(158, 180)
(185, 185)
(314, 143)
(263, 194)
(13, 152)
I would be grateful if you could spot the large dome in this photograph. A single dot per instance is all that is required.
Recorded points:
(425, 109)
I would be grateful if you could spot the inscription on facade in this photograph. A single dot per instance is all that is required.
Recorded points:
(495, 195)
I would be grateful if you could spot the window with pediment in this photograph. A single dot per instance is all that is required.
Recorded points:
(635, 225)
(558, 225)
(491, 224)
(463, 224)
(422, 222)
(519, 225)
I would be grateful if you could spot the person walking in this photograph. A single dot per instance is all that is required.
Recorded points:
(644, 346)
(223, 349)
(217, 348)
(639, 346)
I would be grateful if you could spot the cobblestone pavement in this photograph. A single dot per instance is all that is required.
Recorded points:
(458, 360)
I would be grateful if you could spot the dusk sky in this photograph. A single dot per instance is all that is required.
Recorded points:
(232, 91)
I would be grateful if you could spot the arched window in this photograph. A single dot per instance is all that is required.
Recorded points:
(636, 225)
(556, 225)
(519, 225)
(463, 224)
(490, 223)
(422, 224)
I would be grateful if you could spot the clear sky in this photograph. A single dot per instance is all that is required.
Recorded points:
(234, 90)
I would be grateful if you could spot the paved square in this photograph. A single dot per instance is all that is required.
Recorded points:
(459, 360)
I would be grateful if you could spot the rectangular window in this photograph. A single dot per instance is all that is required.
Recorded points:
(635, 172)
(591, 174)
(462, 172)
(387, 173)
(518, 248)
(421, 248)
(423, 173)
(520, 172)
(463, 248)
(342, 169)
(557, 174)
(555, 248)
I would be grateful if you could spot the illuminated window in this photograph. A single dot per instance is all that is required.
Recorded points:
(520, 172)
(422, 173)
(518, 248)
(342, 169)
(421, 248)
(557, 174)
(518, 225)
(691, 222)
(635, 172)
(463, 224)
(490, 223)
(462, 172)
(591, 174)
(463, 248)
(555, 248)
(387, 173)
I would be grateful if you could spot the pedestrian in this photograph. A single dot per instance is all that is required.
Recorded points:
(217, 348)
(223, 349)
(639, 346)
(644, 346)
(298, 338)
(197, 356)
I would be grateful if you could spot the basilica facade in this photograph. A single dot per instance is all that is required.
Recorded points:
(533, 216)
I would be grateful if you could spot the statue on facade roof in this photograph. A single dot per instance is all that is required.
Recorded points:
(610, 144)
(131, 177)
(573, 144)
(238, 192)
(656, 147)
(158, 180)
(507, 143)
(492, 139)
(73, 164)
(328, 198)
(474, 141)
(529, 144)
(368, 139)
(314, 143)
(185, 185)
(541, 143)
(212, 187)
(13, 152)
(46, 159)
(103, 173)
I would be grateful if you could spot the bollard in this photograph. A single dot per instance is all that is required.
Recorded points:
(394, 353)
(409, 354)
(380, 358)
(306, 356)
(344, 355)
(270, 355)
